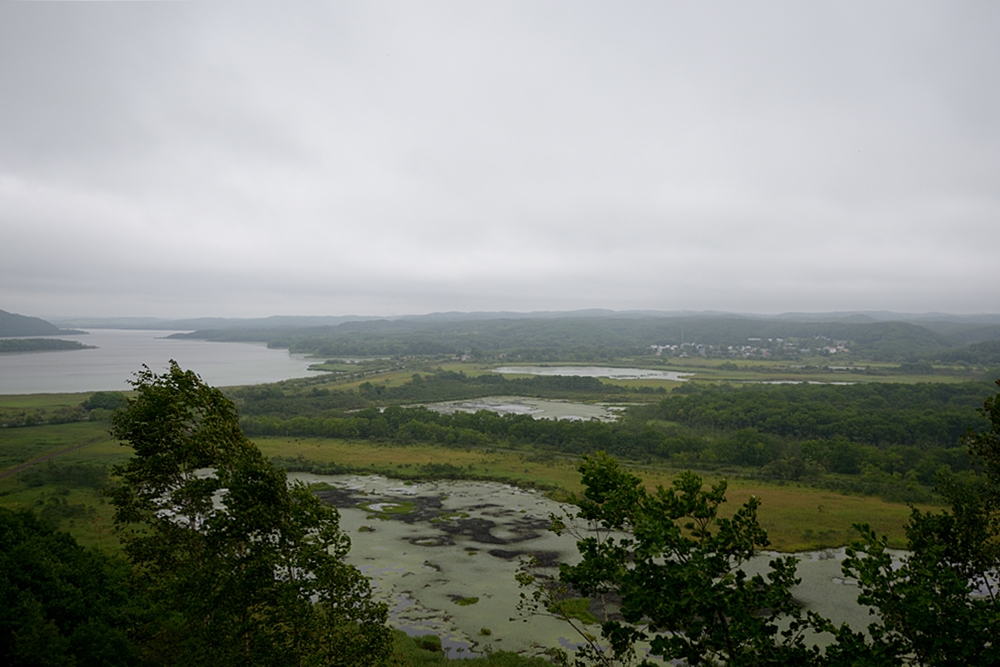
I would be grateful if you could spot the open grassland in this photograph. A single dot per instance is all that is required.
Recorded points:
(520, 468)
(20, 445)
(796, 517)
(388, 378)
(42, 401)
(33, 409)
(472, 369)
(799, 517)
(84, 513)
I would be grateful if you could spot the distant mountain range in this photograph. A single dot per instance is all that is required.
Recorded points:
(587, 334)
(591, 337)
(13, 325)
(209, 323)
(931, 320)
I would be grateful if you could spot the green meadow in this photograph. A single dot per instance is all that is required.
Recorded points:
(798, 516)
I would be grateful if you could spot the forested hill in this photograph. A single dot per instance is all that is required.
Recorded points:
(12, 324)
(596, 338)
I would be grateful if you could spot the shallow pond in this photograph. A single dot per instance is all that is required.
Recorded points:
(789, 382)
(443, 555)
(595, 372)
(536, 407)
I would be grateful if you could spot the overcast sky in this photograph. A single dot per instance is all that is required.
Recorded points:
(181, 159)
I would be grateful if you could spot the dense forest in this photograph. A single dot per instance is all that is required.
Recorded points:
(924, 416)
(889, 438)
(273, 400)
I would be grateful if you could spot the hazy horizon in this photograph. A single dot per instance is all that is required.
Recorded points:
(879, 315)
(220, 159)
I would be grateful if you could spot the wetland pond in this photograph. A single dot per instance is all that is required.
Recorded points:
(536, 407)
(443, 555)
(595, 372)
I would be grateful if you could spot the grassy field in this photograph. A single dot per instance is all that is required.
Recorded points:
(389, 378)
(82, 512)
(19, 445)
(42, 401)
(796, 517)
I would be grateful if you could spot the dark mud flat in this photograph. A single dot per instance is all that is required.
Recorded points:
(495, 525)
(410, 508)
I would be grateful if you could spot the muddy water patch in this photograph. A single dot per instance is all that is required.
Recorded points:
(463, 540)
(613, 373)
(536, 407)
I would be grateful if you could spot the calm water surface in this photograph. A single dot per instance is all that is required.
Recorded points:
(120, 353)
(537, 407)
(596, 372)
(463, 539)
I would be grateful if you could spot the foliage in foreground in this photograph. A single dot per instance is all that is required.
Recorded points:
(426, 651)
(941, 607)
(226, 564)
(62, 604)
(669, 574)
(241, 568)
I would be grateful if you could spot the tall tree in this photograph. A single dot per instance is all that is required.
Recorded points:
(62, 604)
(244, 569)
(674, 569)
(674, 572)
(940, 604)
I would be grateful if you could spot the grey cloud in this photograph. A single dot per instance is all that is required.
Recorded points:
(207, 158)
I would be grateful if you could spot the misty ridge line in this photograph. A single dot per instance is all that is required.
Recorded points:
(877, 336)
(301, 321)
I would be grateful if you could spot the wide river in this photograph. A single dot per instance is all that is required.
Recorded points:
(120, 353)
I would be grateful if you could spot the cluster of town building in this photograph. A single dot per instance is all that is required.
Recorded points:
(756, 348)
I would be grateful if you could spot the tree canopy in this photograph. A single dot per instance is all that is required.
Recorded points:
(939, 607)
(242, 568)
(671, 573)
(673, 570)
(62, 604)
